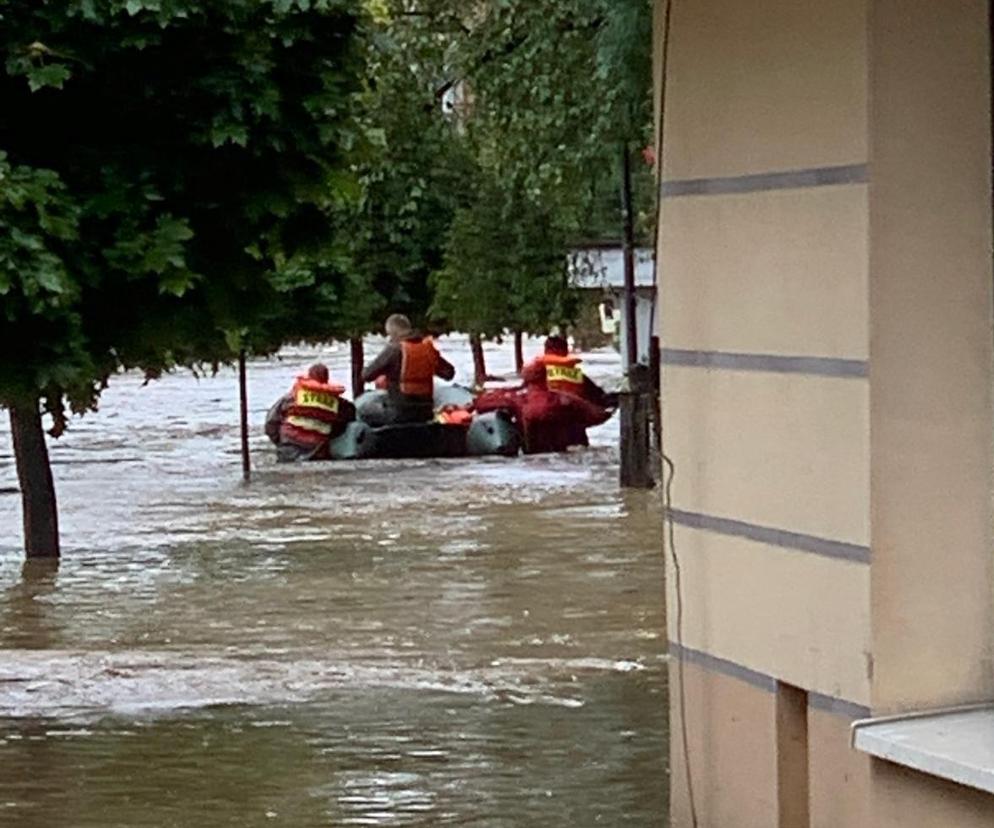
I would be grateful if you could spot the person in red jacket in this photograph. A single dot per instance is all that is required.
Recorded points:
(557, 402)
(406, 369)
(558, 370)
(306, 419)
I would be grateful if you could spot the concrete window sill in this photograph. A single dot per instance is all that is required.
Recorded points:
(951, 744)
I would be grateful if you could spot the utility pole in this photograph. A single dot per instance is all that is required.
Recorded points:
(634, 401)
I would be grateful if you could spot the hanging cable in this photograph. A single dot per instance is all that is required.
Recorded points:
(670, 540)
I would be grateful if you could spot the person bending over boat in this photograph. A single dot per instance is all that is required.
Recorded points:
(557, 370)
(305, 420)
(406, 368)
(582, 402)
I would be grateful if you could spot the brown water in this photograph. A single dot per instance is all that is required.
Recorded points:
(463, 642)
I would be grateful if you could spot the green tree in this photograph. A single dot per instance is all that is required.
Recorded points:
(551, 93)
(504, 267)
(413, 171)
(172, 185)
(557, 87)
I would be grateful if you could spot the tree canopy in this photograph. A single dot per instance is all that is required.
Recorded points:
(413, 171)
(171, 185)
(179, 180)
(544, 97)
(504, 265)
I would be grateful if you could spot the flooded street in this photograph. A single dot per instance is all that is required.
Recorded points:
(457, 642)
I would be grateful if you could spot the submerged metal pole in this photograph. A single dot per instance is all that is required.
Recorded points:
(633, 401)
(633, 406)
(655, 379)
(243, 403)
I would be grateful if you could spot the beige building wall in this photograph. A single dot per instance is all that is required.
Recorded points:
(827, 331)
(930, 404)
(930, 415)
(731, 726)
(905, 799)
(766, 405)
(839, 778)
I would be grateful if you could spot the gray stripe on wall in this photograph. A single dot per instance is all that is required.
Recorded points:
(814, 366)
(722, 666)
(838, 707)
(796, 541)
(763, 182)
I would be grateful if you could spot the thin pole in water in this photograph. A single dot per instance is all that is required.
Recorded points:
(356, 352)
(243, 401)
(519, 352)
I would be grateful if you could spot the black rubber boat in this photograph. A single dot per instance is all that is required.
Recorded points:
(488, 434)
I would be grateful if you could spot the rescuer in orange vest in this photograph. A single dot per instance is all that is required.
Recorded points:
(406, 368)
(305, 420)
(551, 426)
(557, 370)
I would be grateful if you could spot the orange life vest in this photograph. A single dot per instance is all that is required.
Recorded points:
(417, 369)
(454, 415)
(562, 373)
(313, 413)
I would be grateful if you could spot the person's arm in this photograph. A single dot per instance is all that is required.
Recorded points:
(594, 393)
(444, 368)
(346, 410)
(380, 366)
(533, 374)
(587, 412)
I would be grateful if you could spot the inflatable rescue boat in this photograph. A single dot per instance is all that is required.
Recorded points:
(470, 435)
(502, 422)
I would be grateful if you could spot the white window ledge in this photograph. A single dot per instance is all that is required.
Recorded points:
(951, 744)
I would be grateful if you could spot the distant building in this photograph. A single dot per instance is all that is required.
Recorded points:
(599, 272)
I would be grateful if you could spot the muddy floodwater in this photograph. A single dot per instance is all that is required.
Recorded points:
(458, 642)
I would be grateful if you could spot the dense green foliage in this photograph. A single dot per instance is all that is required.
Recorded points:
(180, 180)
(412, 171)
(171, 178)
(504, 267)
(557, 88)
(547, 96)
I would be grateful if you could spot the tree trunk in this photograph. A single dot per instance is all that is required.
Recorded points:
(479, 362)
(355, 346)
(243, 411)
(34, 472)
(519, 352)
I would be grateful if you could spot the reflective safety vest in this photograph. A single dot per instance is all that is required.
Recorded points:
(313, 412)
(563, 374)
(417, 369)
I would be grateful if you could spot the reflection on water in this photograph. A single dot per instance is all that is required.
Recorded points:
(371, 643)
